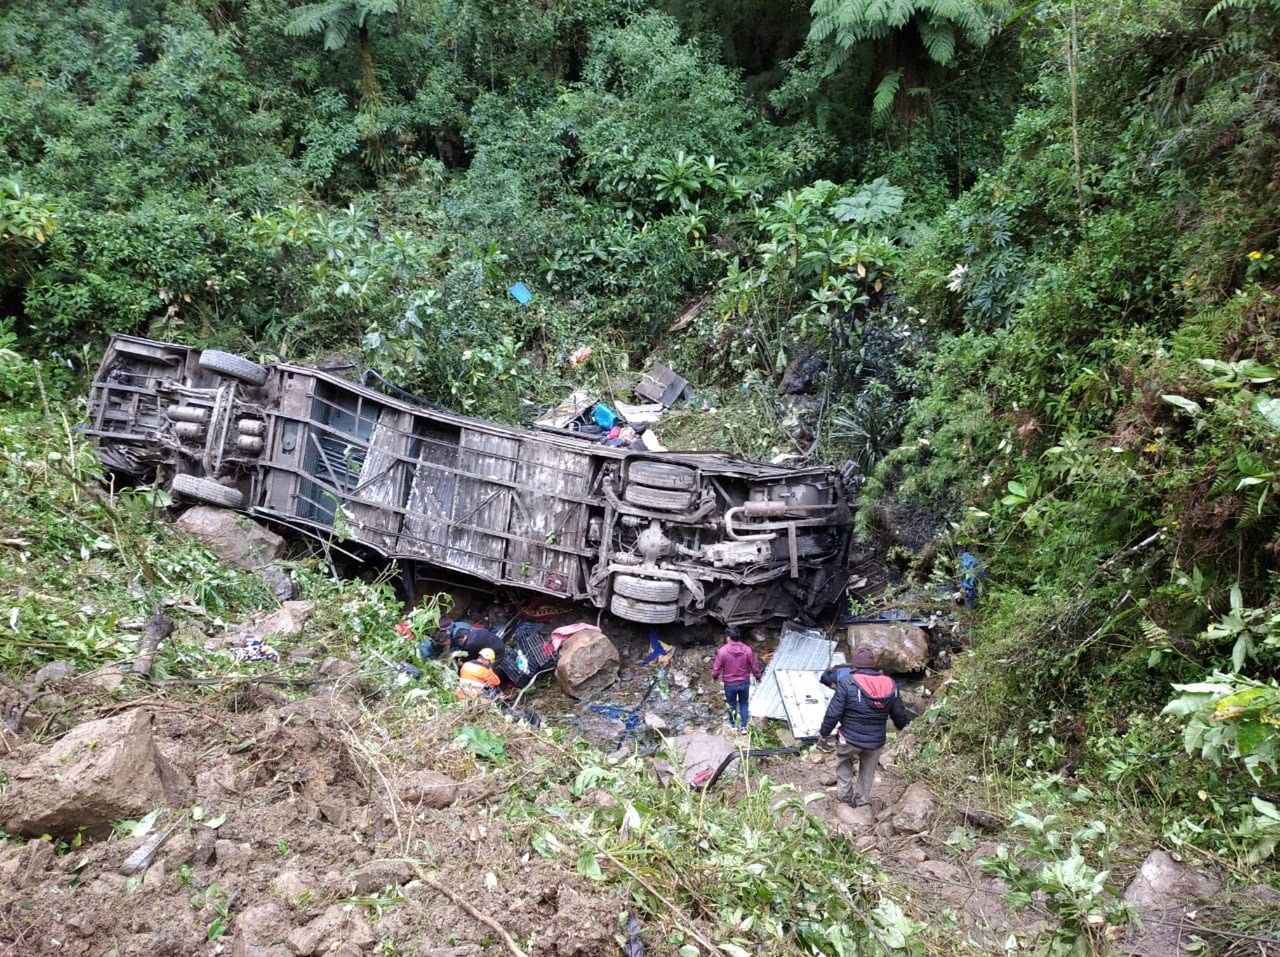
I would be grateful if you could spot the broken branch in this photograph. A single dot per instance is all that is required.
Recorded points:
(489, 922)
(157, 630)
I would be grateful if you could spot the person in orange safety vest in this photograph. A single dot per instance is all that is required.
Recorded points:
(477, 677)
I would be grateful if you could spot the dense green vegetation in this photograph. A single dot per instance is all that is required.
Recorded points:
(1036, 248)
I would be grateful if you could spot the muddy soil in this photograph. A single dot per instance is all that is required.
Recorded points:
(312, 832)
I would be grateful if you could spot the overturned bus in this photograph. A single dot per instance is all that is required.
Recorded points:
(654, 537)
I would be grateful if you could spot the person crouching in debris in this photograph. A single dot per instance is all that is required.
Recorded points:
(477, 677)
(472, 639)
(865, 699)
(735, 663)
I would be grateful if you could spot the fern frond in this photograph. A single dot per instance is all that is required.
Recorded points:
(886, 93)
(310, 18)
(939, 39)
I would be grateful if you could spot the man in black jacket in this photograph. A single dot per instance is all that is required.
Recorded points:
(865, 700)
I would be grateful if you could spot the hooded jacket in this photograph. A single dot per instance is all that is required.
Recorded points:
(864, 701)
(736, 663)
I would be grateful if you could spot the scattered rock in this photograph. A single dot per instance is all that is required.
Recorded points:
(828, 779)
(680, 679)
(854, 816)
(330, 930)
(1164, 890)
(279, 581)
(53, 671)
(983, 820)
(216, 782)
(236, 539)
(700, 754)
(599, 798)
(259, 930)
(108, 678)
(865, 843)
(336, 667)
(285, 621)
(912, 855)
(99, 772)
(232, 855)
(33, 862)
(914, 810)
(430, 789)
(655, 722)
(334, 812)
(941, 870)
(376, 875)
(463, 950)
(206, 840)
(588, 663)
(289, 886)
(898, 648)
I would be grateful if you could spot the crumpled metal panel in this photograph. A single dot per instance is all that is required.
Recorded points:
(805, 700)
(800, 649)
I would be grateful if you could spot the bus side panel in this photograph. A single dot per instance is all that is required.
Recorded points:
(482, 503)
(550, 524)
(376, 500)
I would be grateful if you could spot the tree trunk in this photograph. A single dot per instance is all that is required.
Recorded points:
(371, 91)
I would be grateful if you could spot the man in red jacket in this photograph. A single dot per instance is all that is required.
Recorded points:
(736, 663)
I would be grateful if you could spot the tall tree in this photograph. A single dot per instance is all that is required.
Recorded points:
(338, 20)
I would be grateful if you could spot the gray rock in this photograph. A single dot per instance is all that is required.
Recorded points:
(236, 539)
(700, 752)
(232, 855)
(855, 816)
(286, 621)
(99, 772)
(898, 648)
(914, 810)
(1164, 890)
(290, 885)
(53, 671)
(279, 581)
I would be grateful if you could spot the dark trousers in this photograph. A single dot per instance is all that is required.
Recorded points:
(736, 696)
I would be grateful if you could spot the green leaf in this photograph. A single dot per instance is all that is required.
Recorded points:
(886, 92)
(482, 743)
(1269, 409)
(588, 866)
(1190, 406)
(1249, 736)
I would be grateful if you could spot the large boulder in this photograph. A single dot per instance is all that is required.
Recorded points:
(588, 663)
(101, 771)
(1164, 891)
(899, 648)
(237, 539)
